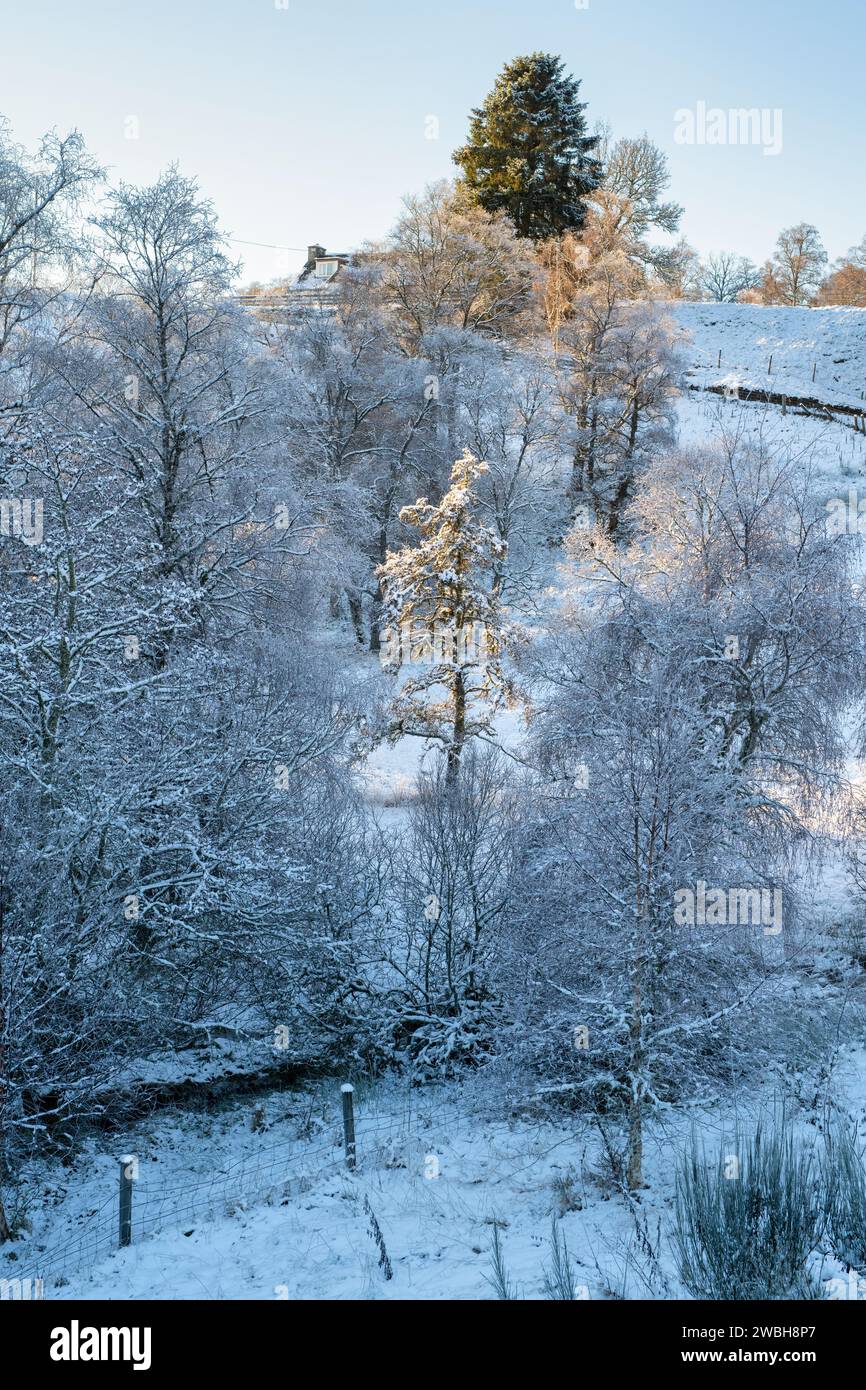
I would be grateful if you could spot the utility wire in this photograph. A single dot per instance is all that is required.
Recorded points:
(267, 245)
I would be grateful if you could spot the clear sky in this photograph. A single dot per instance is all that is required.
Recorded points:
(309, 122)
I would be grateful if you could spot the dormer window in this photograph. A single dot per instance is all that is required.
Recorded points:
(325, 269)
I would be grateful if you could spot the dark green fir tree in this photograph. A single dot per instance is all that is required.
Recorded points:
(528, 152)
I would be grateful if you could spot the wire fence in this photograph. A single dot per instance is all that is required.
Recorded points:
(275, 1171)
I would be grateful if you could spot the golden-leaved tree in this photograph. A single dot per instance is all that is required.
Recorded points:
(444, 622)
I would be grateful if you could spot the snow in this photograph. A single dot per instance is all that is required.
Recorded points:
(254, 1200)
(832, 340)
(274, 1214)
(835, 451)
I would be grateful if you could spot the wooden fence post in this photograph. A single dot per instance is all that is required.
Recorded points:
(127, 1171)
(348, 1092)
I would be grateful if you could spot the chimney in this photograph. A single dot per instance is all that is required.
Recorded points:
(312, 252)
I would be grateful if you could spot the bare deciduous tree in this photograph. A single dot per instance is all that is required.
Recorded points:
(38, 243)
(449, 263)
(794, 271)
(724, 276)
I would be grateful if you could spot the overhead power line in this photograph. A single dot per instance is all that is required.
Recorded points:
(266, 245)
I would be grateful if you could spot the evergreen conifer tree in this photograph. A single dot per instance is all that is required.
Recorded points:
(444, 621)
(528, 152)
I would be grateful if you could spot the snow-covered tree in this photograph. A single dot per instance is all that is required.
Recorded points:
(179, 838)
(634, 805)
(625, 372)
(775, 609)
(509, 414)
(165, 375)
(38, 240)
(452, 867)
(444, 620)
(448, 263)
(695, 687)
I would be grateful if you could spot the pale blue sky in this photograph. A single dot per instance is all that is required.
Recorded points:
(308, 122)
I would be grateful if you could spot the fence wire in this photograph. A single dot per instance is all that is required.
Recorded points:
(275, 1172)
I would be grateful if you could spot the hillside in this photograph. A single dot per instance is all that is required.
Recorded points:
(829, 342)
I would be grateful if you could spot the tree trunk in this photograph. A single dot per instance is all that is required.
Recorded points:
(634, 1168)
(616, 506)
(5, 1232)
(459, 734)
(625, 483)
(632, 433)
(356, 613)
(379, 596)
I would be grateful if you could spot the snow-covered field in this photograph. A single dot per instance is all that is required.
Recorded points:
(733, 344)
(836, 452)
(272, 1213)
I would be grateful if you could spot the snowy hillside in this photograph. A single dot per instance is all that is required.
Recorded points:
(733, 344)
